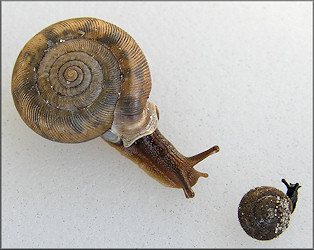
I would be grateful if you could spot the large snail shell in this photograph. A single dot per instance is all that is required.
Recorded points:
(78, 78)
(264, 212)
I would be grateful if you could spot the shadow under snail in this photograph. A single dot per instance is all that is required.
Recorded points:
(84, 78)
(264, 212)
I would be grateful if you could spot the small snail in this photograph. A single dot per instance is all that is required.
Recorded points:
(264, 212)
(84, 78)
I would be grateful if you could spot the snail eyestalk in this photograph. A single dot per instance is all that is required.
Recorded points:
(160, 159)
(292, 192)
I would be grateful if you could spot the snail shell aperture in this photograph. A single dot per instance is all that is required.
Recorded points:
(264, 212)
(84, 78)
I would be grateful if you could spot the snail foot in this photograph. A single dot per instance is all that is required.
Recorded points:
(160, 159)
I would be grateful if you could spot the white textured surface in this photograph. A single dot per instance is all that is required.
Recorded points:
(238, 75)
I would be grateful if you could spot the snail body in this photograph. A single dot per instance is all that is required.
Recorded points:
(264, 212)
(84, 78)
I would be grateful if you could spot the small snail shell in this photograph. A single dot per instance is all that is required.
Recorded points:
(83, 78)
(264, 212)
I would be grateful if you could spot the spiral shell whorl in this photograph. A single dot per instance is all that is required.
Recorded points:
(75, 77)
(264, 213)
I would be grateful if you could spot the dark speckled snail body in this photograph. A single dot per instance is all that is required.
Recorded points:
(264, 212)
(83, 78)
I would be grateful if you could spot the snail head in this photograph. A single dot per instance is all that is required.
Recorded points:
(292, 192)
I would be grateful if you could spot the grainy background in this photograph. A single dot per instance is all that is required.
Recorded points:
(235, 74)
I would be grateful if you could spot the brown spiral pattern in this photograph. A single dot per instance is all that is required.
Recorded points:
(75, 77)
(72, 79)
(264, 212)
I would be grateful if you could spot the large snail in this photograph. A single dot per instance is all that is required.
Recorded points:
(264, 212)
(84, 78)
